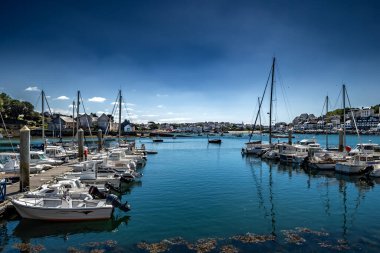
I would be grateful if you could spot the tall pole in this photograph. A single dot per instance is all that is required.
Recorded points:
(78, 103)
(344, 115)
(43, 116)
(271, 102)
(74, 120)
(327, 110)
(24, 159)
(120, 98)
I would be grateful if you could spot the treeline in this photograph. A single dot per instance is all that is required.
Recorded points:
(13, 109)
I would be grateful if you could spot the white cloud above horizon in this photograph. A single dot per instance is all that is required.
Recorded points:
(97, 99)
(150, 115)
(62, 98)
(32, 88)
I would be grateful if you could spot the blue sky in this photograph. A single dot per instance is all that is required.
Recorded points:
(189, 61)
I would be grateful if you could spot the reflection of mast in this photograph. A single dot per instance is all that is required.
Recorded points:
(258, 186)
(271, 201)
(343, 190)
(120, 98)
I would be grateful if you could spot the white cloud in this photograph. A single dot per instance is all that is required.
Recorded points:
(162, 95)
(170, 113)
(61, 111)
(32, 88)
(130, 104)
(160, 106)
(48, 96)
(62, 98)
(100, 113)
(97, 99)
(150, 115)
(130, 109)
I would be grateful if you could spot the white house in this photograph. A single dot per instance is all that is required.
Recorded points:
(367, 112)
(129, 128)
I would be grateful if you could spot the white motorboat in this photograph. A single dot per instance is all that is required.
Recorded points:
(353, 166)
(39, 157)
(9, 162)
(372, 149)
(57, 152)
(62, 209)
(71, 187)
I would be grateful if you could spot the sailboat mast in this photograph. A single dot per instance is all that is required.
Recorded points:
(271, 102)
(344, 115)
(73, 120)
(43, 116)
(258, 99)
(120, 98)
(327, 110)
(78, 103)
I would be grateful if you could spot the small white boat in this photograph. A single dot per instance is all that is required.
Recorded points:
(353, 166)
(61, 189)
(63, 209)
(9, 162)
(57, 152)
(255, 148)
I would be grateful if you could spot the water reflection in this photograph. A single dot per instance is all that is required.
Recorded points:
(256, 164)
(28, 229)
(350, 190)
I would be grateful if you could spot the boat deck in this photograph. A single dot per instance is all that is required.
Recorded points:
(36, 180)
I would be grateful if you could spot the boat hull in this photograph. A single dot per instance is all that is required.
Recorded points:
(62, 214)
(347, 168)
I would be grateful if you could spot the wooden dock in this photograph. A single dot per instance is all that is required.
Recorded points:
(36, 180)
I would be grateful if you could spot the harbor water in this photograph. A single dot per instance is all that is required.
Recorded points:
(200, 197)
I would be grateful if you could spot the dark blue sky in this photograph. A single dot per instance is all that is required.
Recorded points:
(190, 60)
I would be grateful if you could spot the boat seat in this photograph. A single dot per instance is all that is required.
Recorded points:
(82, 204)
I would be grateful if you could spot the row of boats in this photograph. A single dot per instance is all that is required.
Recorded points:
(87, 192)
(364, 158)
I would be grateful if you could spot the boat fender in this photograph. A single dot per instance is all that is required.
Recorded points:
(115, 202)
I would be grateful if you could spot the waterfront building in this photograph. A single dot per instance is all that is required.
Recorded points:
(87, 121)
(60, 122)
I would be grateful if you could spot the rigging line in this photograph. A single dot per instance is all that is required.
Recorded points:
(338, 99)
(88, 123)
(261, 102)
(353, 117)
(6, 132)
(324, 105)
(276, 119)
(284, 95)
(110, 118)
(38, 100)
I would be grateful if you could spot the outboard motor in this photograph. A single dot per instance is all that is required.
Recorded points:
(115, 202)
(95, 193)
(109, 186)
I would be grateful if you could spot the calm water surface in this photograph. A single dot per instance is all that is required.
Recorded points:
(195, 190)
